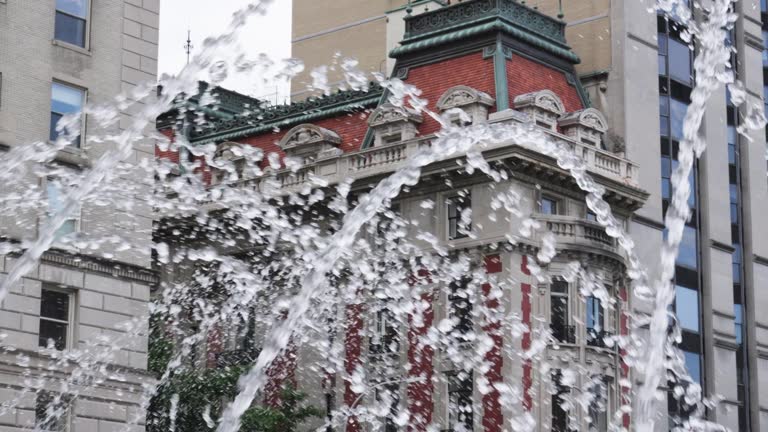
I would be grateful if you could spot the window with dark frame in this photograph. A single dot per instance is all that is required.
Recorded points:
(460, 410)
(598, 407)
(456, 207)
(460, 307)
(55, 311)
(595, 322)
(65, 99)
(385, 339)
(71, 22)
(560, 312)
(548, 205)
(52, 413)
(391, 392)
(560, 421)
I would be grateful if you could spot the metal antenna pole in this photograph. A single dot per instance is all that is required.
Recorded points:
(561, 15)
(188, 47)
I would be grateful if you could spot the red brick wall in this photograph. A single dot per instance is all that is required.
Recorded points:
(434, 79)
(525, 76)
(493, 418)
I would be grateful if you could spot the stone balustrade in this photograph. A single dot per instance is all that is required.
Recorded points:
(573, 231)
(387, 159)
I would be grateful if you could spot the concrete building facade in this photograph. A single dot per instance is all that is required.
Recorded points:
(55, 57)
(637, 70)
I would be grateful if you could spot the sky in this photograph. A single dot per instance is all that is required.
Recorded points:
(270, 34)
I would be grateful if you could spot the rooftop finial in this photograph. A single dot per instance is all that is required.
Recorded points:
(561, 15)
(408, 9)
(188, 46)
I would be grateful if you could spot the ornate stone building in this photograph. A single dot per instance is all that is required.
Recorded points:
(476, 65)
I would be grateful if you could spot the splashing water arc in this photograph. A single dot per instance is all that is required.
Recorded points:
(309, 257)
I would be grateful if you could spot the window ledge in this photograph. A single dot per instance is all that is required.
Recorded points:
(69, 46)
(73, 156)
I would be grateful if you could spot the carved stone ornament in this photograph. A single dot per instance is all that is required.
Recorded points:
(461, 96)
(308, 134)
(388, 114)
(544, 100)
(589, 118)
(228, 151)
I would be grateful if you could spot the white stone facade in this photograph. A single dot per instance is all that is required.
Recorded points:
(120, 52)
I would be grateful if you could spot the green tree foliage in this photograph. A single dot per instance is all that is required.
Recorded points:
(201, 390)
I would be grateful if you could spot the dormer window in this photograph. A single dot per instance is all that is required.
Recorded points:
(473, 103)
(543, 106)
(586, 126)
(229, 162)
(391, 124)
(310, 143)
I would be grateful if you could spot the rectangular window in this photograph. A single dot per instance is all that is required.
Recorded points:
(559, 413)
(598, 407)
(71, 21)
(54, 191)
(52, 412)
(595, 322)
(560, 312)
(55, 315)
(65, 100)
(389, 393)
(459, 401)
(548, 206)
(384, 339)
(460, 307)
(459, 209)
(687, 308)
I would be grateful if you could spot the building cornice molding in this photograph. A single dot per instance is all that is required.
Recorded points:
(760, 259)
(722, 246)
(642, 220)
(122, 270)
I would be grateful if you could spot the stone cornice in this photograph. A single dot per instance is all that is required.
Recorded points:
(99, 265)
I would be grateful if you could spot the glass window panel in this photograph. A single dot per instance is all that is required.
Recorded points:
(688, 250)
(687, 308)
(693, 364)
(54, 304)
(666, 188)
(55, 331)
(679, 61)
(664, 125)
(677, 111)
(663, 64)
(594, 314)
(73, 7)
(66, 99)
(548, 206)
(70, 29)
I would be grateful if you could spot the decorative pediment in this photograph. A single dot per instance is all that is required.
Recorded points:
(228, 151)
(543, 99)
(392, 124)
(586, 126)
(389, 114)
(308, 134)
(310, 142)
(229, 162)
(544, 107)
(461, 96)
(473, 102)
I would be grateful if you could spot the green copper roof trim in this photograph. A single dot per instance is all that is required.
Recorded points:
(558, 50)
(500, 56)
(304, 118)
(461, 13)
